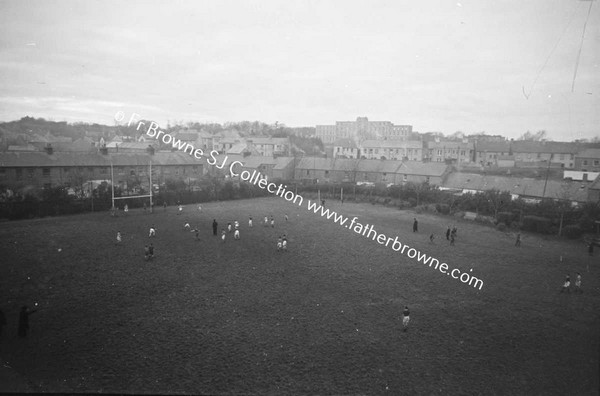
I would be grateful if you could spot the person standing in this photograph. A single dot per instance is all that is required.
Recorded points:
(452, 239)
(24, 320)
(2, 322)
(448, 234)
(215, 226)
(151, 251)
(152, 232)
(431, 238)
(250, 221)
(578, 283)
(415, 225)
(146, 252)
(165, 206)
(566, 285)
(518, 242)
(119, 238)
(405, 318)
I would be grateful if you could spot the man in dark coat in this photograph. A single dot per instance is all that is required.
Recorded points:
(24, 320)
(215, 226)
(2, 322)
(415, 225)
(448, 233)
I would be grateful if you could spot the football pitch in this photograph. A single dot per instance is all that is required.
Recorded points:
(324, 317)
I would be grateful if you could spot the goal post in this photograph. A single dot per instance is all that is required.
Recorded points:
(112, 183)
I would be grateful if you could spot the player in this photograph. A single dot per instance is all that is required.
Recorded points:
(146, 253)
(566, 285)
(180, 210)
(165, 206)
(151, 251)
(200, 208)
(24, 320)
(518, 241)
(197, 233)
(152, 232)
(406, 318)
(250, 221)
(119, 239)
(236, 224)
(223, 235)
(286, 217)
(431, 238)
(578, 283)
(279, 243)
(272, 222)
(284, 243)
(215, 226)
(266, 224)
(236, 234)
(415, 225)
(186, 226)
(448, 234)
(229, 227)
(126, 209)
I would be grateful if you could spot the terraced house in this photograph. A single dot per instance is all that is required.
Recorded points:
(37, 170)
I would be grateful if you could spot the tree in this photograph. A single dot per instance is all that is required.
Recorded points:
(539, 136)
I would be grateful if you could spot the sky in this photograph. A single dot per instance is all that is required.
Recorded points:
(504, 67)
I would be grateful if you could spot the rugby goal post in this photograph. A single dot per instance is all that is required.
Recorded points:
(112, 185)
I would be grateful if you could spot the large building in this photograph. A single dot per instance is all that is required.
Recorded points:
(362, 129)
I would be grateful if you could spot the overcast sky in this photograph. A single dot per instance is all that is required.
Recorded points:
(498, 66)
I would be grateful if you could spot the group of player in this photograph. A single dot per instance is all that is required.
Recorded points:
(567, 285)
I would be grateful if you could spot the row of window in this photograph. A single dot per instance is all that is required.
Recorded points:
(101, 170)
(383, 176)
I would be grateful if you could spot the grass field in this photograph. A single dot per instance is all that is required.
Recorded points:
(206, 317)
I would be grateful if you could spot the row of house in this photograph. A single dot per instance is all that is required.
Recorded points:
(520, 154)
(227, 142)
(43, 169)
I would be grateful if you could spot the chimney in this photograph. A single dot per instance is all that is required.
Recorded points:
(49, 149)
(585, 177)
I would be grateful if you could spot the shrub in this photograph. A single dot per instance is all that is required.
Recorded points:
(538, 224)
(412, 202)
(505, 217)
(443, 208)
(572, 231)
(501, 227)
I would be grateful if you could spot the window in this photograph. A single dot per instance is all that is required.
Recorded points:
(326, 173)
(427, 179)
(46, 172)
(439, 152)
(307, 172)
(585, 162)
(596, 162)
